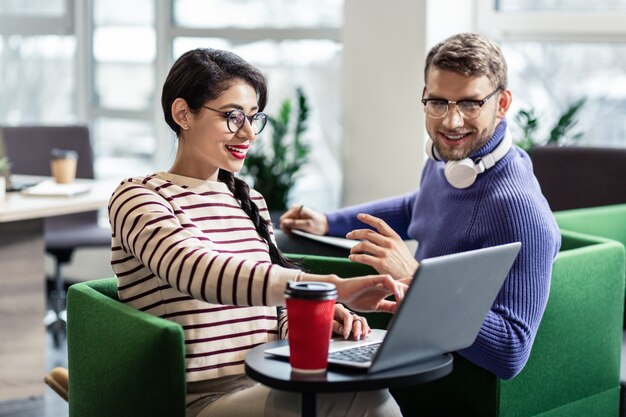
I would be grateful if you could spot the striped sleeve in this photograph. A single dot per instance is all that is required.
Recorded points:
(283, 324)
(146, 226)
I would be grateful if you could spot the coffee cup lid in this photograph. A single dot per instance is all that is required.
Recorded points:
(310, 290)
(63, 154)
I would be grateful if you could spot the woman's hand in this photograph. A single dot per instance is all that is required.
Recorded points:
(305, 219)
(346, 324)
(367, 293)
(382, 249)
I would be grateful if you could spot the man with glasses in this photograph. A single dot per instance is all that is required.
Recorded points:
(477, 190)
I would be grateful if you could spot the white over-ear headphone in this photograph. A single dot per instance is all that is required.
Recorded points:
(461, 174)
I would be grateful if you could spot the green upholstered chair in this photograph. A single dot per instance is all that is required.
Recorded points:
(126, 363)
(574, 367)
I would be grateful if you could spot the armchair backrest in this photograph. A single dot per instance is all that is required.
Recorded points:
(605, 221)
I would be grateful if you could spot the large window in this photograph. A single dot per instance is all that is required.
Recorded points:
(561, 5)
(103, 62)
(123, 86)
(251, 14)
(563, 51)
(550, 76)
(37, 55)
(294, 43)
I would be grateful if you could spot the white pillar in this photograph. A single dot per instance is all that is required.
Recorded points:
(385, 44)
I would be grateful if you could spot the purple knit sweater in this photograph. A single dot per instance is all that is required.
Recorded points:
(504, 205)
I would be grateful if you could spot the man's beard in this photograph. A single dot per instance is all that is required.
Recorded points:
(454, 154)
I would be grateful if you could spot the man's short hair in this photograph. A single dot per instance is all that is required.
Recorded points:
(469, 54)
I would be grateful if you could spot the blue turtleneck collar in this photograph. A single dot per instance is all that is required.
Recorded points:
(498, 135)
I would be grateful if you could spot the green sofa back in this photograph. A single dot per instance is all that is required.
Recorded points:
(605, 221)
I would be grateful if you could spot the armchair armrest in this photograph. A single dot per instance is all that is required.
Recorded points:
(122, 362)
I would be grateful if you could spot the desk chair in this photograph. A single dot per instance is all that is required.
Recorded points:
(28, 148)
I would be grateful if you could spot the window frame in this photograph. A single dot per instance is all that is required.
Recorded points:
(32, 24)
(576, 27)
(548, 25)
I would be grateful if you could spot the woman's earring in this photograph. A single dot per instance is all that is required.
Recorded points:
(186, 126)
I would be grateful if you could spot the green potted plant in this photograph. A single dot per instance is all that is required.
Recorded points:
(273, 165)
(562, 133)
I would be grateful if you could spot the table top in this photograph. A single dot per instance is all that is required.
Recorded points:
(17, 206)
(276, 373)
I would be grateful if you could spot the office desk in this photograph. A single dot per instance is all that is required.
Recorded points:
(22, 283)
(276, 373)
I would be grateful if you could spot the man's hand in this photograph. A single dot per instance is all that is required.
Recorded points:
(305, 219)
(382, 249)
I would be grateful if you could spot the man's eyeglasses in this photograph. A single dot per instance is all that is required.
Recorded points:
(470, 109)
(235, 120)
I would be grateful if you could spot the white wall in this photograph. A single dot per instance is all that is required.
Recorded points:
(448, 17)
(385, 44)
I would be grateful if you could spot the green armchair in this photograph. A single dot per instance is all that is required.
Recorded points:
(574, 366)
(122, 362)
(118, 356)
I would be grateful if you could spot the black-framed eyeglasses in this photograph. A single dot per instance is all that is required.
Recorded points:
(235, 120)
(437, 108)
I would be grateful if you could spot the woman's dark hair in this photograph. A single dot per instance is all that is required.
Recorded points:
(201, 75)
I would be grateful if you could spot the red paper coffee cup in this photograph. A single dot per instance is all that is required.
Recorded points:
(310, 307)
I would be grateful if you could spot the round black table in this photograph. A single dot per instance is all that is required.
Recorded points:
(276, 373)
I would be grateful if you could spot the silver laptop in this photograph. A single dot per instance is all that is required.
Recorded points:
(442, 311)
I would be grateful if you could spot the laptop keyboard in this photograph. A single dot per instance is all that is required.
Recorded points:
(356, 354)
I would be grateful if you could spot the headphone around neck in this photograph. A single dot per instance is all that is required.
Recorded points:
(462, 174)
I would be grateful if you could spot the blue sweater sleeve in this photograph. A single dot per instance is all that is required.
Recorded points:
(395, 211)
(506, 337)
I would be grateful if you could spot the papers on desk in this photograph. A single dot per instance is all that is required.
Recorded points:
(329, 240)
(49, 188)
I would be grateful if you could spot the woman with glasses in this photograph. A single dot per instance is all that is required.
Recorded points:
(195, 245)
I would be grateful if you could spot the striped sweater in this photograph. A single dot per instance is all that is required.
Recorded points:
(184, 250)
(504, 205)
